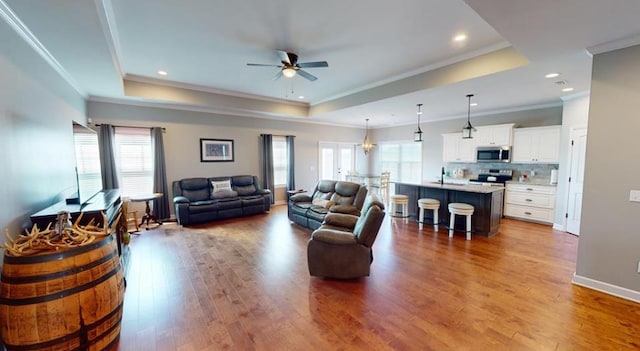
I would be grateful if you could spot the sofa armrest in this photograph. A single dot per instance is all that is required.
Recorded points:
(345, 209)
(302, 197)
(341, 220)
(180, 200)
(263, 192)
(335, 237)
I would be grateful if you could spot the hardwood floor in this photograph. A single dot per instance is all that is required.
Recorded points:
(243, 284)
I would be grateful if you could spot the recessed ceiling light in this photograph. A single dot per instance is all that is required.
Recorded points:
(460, 37)
(552, 75)
(473, 104)
(300, 97)
(162, 73)
(567, 89)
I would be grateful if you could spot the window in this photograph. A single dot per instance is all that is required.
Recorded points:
(280, 161)
(403, 160)
(134, 160)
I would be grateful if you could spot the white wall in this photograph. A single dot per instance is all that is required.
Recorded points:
(185, 128)
(609, 247)
(37, 108)
(575, 114)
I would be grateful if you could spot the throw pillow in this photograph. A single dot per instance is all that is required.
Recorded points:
(219, 186)
(323, 203)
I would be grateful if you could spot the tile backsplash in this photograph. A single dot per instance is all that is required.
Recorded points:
(534, 172)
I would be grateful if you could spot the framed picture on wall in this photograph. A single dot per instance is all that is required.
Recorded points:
(216, 150)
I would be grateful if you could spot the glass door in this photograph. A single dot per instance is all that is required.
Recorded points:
(337, 160)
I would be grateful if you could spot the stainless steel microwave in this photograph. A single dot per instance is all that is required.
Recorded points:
(493, 154)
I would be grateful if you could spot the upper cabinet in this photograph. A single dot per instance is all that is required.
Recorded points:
(536, 145)
(456, 149)
(496, 135)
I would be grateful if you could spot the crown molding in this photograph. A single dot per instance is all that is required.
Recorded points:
(200, 88)
(576, 96)
(614, 45)
(140, 102)
(19, 27)
(104, 8)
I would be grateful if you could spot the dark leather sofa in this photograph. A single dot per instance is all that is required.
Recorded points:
(196, 202)
(328, 196)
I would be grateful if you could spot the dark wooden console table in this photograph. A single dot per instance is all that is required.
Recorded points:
(107, 201)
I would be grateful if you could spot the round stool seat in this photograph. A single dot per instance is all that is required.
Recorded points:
(428, 204)
(399, 198)
(458, 208)
(461, 209)
(403, 201)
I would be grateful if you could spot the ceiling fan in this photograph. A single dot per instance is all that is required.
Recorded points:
(290, 66)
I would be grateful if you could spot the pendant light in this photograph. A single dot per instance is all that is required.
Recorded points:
(417, 135)
(366, 143)
(468, 129)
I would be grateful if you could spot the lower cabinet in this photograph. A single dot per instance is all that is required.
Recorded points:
(530, 202)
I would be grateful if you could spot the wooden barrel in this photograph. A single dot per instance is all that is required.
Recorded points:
(68, 300)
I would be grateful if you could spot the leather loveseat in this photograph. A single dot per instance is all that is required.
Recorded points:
(199, 200)
(341, 247)
(328, 196)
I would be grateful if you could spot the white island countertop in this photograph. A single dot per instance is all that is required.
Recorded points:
(482, 189)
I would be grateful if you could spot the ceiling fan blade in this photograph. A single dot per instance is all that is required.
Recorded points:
(313, 64)
(277, 76)
(262, 65)
(307, 75)
(284, 57)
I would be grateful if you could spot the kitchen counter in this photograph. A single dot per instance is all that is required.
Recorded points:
(487, 201)
(482, 189)
(532, 182)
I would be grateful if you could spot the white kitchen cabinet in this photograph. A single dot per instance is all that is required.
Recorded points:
(536, 145)
(495, 135)
(530, 202)
(456, 149)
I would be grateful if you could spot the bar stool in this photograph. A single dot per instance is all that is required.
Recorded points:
(428, 204)
(457, 208)
(402, 200)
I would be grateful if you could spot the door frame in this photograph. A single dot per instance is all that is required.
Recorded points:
(337, 146)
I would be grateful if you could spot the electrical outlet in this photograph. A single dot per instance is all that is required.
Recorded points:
(634, 195)
(638, 266)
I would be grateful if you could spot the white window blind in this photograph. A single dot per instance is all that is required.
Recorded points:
(280, 161)
(403, 160)
(134, 160)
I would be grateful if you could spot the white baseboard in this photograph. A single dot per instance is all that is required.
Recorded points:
(560, 227)
(606, 288)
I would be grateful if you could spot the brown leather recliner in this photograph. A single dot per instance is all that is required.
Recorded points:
(328, 196)
(341, 247)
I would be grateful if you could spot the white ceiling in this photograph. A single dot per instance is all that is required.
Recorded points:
(384, 57)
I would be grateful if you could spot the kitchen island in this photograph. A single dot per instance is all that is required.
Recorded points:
(487, 200)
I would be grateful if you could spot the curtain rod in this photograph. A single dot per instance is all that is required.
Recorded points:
(99, 124)
(279, 135)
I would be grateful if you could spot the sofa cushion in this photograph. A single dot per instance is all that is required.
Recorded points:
(223, 185)
(242, 180)
(323, 203)
(222, 194)
(245, 189)
(195, 189)
(203, 206)
(228, 203)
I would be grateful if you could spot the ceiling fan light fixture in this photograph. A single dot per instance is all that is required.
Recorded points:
(289, 72)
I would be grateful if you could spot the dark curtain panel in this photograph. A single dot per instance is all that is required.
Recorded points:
(106, 141)
(161, 205)
(291, 181)
(266, 152)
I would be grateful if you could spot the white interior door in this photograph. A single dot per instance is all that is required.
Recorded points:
(336, 160)
(576, 180)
